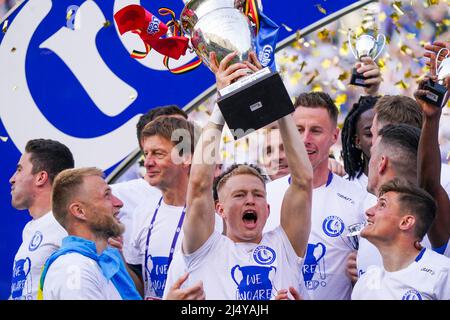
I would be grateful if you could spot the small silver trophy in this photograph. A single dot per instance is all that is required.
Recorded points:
(353, 234)
(437, 91)
(221, 26)
(365, 46)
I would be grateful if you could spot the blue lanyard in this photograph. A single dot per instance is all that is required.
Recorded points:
(174, 241)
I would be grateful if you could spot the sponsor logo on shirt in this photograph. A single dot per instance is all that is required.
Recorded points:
(345, 198)
(333, 226)
(428, 271)
(412, 294)
(35, 241)
(264, 255)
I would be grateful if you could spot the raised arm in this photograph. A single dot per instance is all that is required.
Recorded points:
(296, 207)
(199, 222)
(369, 69)
(429, 169)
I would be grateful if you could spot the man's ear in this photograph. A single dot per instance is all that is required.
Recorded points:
(382, 167)
(357, 142)
(77, 210)
(335, 135)
(219, 209)
(41, 178)
(407, 222)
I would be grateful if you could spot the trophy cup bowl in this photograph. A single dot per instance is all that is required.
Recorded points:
(221, 26)
(218, 26)
(437, 91)
(353, 234)
(365, 46)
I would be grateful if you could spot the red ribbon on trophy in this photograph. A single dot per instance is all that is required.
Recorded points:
(153, 32)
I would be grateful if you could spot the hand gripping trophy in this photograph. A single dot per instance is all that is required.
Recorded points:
(437, 91)
(365, 46)
(221, 26)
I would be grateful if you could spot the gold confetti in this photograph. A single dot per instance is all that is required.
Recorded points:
(402, 85)
(432, 2)
(226, 139)
(288, 29)
(317, 88)
(69, 14)
(410, 36)
(106, 24)
(419, 24)
(446, 22)
(324, 35)
(326, 63)
(225, 154)
(316, 73)
(341, 86)
(4, 139)
(295, 78)
(132, 96)
(340, 100)
(294, 58)
(343, 51)
(394, 16)
(321, 9)
(397, 5)
(382, 16)
(303, 65)
(202, 108)
(343, 76)
(408, 74)
(406, 50)
(5, 26)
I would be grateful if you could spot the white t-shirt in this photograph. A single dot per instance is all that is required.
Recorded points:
(75, 277)
(427, 278)
(40, 238)
(132, 193)
(334, 208)
(445, 177)
(160, 242)
(244, 271)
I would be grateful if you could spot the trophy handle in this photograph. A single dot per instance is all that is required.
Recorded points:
(383, 37)
(437, 58)
(350, 32)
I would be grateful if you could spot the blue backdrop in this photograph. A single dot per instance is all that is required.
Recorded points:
(65, 103)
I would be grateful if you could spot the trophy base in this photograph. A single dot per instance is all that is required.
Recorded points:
(255, 104)
(436, 93)
(357, 79)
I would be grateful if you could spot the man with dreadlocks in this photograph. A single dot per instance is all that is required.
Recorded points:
(357, 139)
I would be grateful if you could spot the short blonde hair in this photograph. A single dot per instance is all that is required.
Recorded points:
(235, 170)
(66, 185)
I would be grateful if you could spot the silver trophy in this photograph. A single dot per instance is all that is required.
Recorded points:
(365, 46)
(221, 26)
(353, 234)
(437, 91)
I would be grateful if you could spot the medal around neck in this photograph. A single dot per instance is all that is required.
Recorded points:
(365, 46)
